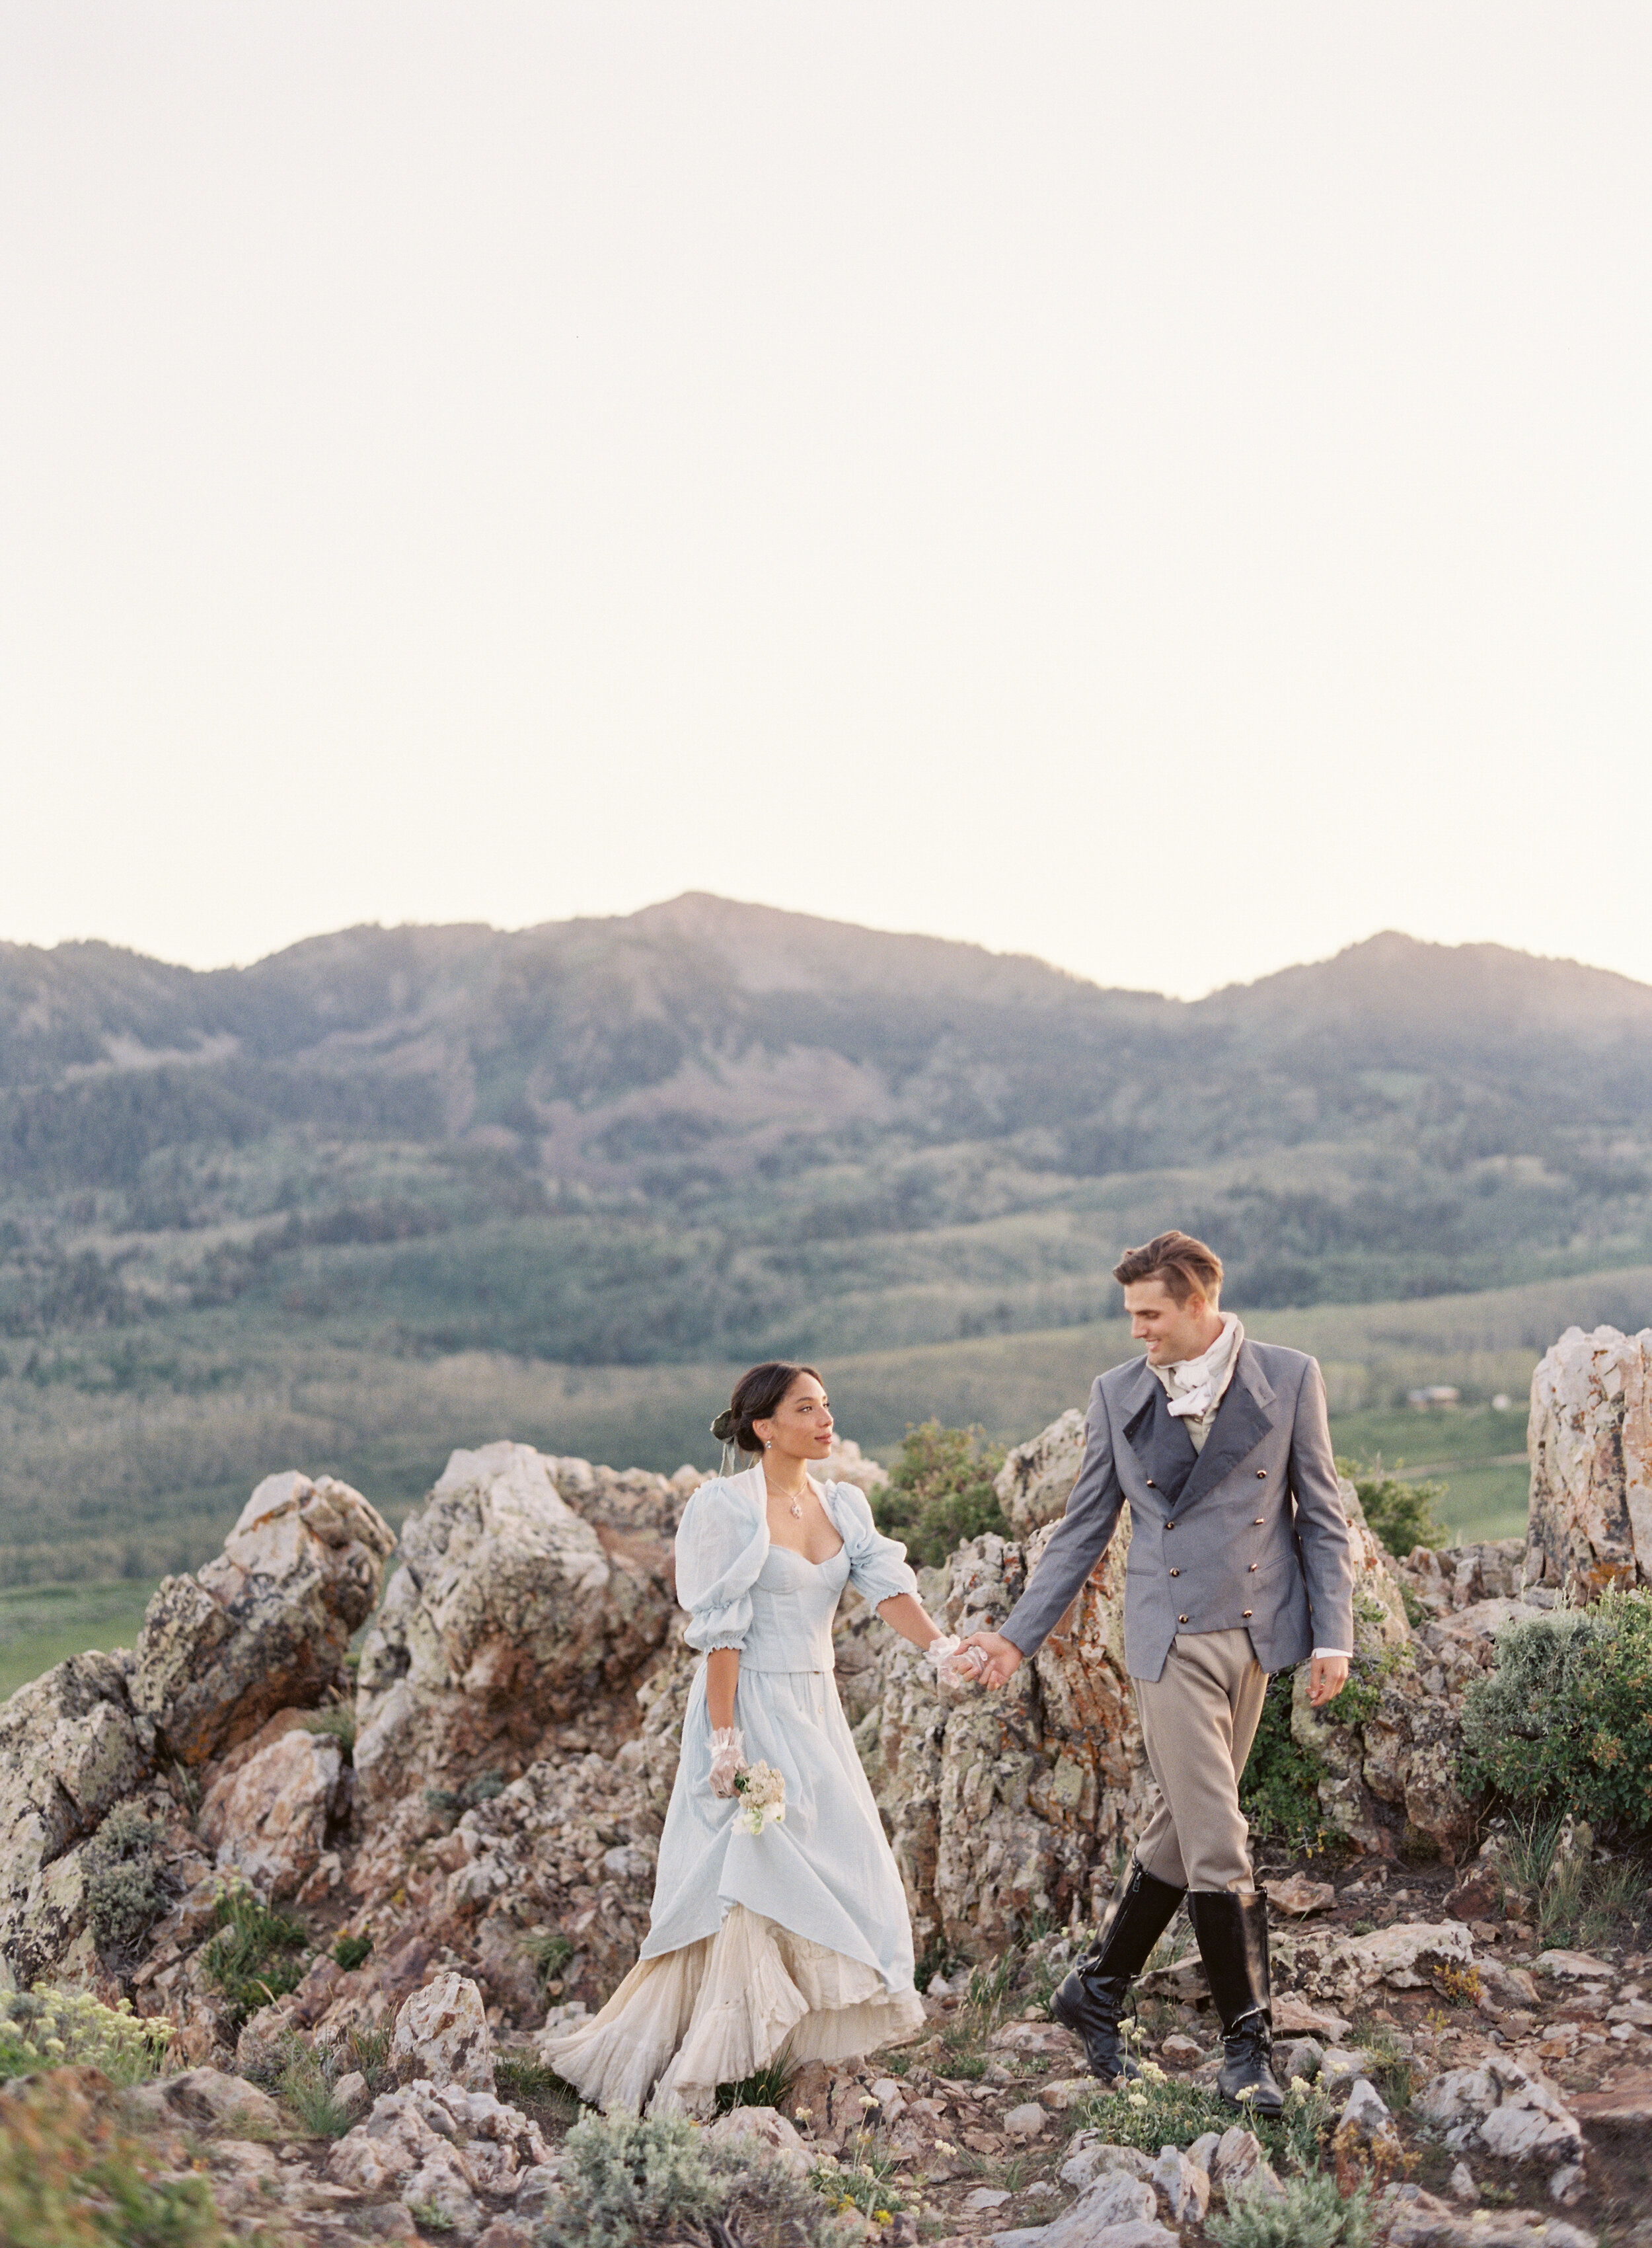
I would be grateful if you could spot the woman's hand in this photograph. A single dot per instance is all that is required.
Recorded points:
(728, 1754)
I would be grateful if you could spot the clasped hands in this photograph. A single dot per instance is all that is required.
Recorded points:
(998, 1659)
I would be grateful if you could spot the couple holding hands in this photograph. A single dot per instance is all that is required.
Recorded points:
(785, 1931)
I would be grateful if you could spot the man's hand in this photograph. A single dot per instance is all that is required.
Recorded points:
(1002, 1657)
(1327, 1679)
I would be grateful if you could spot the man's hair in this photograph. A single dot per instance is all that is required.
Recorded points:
(1186, 1266)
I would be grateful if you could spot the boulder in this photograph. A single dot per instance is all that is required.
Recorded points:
(1505, 2109)
(1590, 1439)
(441, 2035)
(1414, 2218)
(265, 1626)
(1182, 2186)
(510, 1614)
(269, 1817)
(205, 2096)
(1037, 1478)
(72, 1746)
(763, 2132)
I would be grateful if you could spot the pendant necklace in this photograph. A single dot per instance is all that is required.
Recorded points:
(794, 1502)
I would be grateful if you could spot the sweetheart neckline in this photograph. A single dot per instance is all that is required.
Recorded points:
(774, 1546)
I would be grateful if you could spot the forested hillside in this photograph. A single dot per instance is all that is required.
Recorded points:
(710, 1128)
(394, 1190)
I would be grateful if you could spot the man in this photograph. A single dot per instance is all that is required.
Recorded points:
(1242, 1562)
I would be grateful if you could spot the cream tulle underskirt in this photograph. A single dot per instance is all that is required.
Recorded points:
(716, 2012)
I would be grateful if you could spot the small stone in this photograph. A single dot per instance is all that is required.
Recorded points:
(1478, 1896)
(1027, 2120)
(983, 2198)
(1183, 2187)
(1461, 2186)
(442, 2032)
(1181, 2051)
(1298, 1896)
(1568, 2184)
(764, 2129)
(350, 2091)
(1301, 2058)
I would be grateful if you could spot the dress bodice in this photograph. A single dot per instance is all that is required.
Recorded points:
(793, 1604)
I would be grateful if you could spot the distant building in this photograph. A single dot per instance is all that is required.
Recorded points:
(1439, 1393)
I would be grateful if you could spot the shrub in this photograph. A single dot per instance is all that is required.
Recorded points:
(253, 1957)
(70, 2177)
(350, 1950)
(126, 1887)
(628, 2179)
(940, 1491)
(1278, 1788)
(45, 2028)
(1401, 1514)
(1311, 2212)
(1564, 1718)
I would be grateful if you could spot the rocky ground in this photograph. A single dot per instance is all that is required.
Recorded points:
(355, 1893)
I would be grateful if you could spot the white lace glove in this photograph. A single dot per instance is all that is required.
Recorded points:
(728, 1754)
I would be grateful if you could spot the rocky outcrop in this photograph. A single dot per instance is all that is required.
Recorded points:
(72, 1746)
(1037, 1478)
(511, 1614)
(268, 1817)
(266, 1625)
(1590, 1438)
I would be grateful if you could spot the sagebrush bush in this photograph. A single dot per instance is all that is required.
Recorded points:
(630, 2180)
(1564, 1717)
(940, 1492)
(1310, 2211)
(44, 2028)
(126, 1883)
(70, 2177)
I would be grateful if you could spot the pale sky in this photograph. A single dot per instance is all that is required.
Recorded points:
(1163, 487)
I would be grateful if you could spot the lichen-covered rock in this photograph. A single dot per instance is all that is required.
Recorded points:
(441, 2035)
(1037, 1478)
(72, 1746)
(1504, 2108)
(510, 1614)
(1590, 1437)
(265, 1626)
(269, 1817)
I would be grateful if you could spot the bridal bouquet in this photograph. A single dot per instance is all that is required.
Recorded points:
(761, 1790)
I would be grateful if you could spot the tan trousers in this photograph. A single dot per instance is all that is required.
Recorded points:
(1199, 1719)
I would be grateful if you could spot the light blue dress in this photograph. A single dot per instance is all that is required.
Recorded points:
(798, 1938)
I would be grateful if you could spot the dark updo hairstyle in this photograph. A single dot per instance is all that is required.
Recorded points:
(758, 1395)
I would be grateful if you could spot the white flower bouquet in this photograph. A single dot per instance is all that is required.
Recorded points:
(761, 1790)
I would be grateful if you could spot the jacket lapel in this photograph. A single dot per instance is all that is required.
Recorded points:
(1161, 1445)
(1242, 1420)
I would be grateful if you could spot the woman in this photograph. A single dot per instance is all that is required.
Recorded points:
(794, 1940)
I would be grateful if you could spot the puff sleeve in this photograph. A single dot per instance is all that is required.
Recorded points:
(720, 1544)
(878, 1566)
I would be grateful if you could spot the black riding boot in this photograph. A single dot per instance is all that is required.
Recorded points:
(1091, 1999)
(1233, 1941)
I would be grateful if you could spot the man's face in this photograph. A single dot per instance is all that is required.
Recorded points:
(1171, 1331)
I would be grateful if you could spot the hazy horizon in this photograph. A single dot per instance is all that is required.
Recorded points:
(876, 928)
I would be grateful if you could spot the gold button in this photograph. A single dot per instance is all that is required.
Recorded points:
(1170, 1526)
(1259, 1521)
(1253, 1568)
(1261, 1475)
(1247, 1612)
(1181, 1619)
(1176, 1573)
(1150, 1483)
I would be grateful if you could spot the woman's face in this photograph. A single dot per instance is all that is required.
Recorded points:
(801, 1426)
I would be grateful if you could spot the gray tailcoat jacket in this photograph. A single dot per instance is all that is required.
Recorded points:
(1247, 1534)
